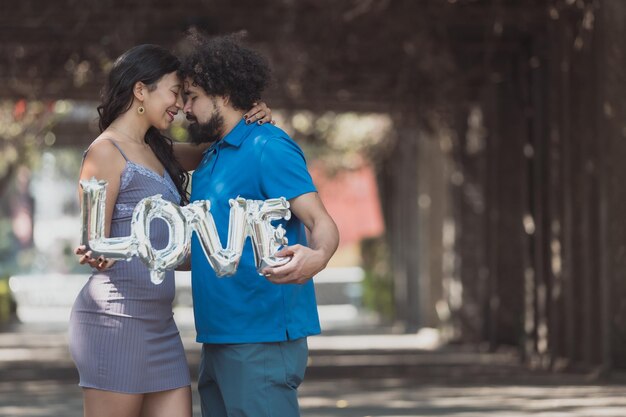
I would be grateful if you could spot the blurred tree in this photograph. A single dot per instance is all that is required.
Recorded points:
(25, 126)
(523, 98)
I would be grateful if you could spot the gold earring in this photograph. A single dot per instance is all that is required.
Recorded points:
(141, 110)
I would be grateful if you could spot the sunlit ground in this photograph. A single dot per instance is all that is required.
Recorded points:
(382, 375)
(381, 397)
(398, 397)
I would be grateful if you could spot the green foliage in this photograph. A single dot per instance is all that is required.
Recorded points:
(178, 132)
(378, 281)
(342, 141)
(7, 305)
(24, 128)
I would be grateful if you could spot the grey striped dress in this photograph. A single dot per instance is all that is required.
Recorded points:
(122, 332)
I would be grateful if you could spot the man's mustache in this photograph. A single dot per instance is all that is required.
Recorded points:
(191, 118)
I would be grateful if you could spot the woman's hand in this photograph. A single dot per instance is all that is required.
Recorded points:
(99, 263)
(260, 114)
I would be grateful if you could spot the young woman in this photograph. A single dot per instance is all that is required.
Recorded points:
(123, 338)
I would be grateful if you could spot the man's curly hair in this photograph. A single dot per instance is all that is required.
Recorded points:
(223, 67)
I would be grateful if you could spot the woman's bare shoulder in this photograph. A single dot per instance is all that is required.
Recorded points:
(103, 156)
(104, 146)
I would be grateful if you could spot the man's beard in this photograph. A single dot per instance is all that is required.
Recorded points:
(208, 132)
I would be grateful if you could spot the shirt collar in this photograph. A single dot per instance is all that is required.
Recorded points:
(235, 137)
(239, 133)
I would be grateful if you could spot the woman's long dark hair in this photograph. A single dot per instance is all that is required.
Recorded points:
(148, 64)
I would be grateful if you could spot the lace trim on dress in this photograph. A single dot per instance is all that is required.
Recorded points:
(132, 167)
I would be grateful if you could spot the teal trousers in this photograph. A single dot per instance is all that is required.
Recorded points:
(252, 380)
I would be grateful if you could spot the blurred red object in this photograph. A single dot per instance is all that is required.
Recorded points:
(351, 198)
(19, 109)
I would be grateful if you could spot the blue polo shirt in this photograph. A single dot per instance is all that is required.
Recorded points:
(256, 162)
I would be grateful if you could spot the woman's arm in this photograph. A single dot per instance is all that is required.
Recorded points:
(104, 162)
(189, 155)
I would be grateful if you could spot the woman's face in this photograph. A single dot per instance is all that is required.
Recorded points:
(162, 103)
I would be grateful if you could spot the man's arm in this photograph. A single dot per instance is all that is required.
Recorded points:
(323, 241)
(189, 155)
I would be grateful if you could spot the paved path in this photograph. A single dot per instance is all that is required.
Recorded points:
(374, 375)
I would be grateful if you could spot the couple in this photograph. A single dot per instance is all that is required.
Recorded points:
(123, 338)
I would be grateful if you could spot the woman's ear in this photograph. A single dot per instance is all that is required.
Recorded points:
(139, 90)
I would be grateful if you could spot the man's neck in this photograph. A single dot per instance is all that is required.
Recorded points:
(231, 118)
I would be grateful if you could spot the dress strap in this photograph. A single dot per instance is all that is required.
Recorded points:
(114, 144)
(118, 147)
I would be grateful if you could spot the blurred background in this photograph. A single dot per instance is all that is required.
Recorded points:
(470, 151)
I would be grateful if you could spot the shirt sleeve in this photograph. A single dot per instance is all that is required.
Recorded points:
(283, 169)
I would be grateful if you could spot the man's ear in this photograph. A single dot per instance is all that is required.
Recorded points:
(139, 90)
(225, 100)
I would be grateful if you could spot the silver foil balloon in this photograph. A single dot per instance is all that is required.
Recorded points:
(177, 248)
(267, 239)
(224, 261)
(93, 200)
(247, 218)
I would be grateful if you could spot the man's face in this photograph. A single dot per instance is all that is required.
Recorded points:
(203, 112)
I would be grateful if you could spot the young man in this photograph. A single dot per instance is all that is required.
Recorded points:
(253, 329)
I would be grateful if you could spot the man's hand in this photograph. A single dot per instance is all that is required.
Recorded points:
(323, 240)
(304, 264)
(99, 263)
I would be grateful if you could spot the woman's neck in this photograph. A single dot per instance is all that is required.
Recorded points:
(130, 127)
